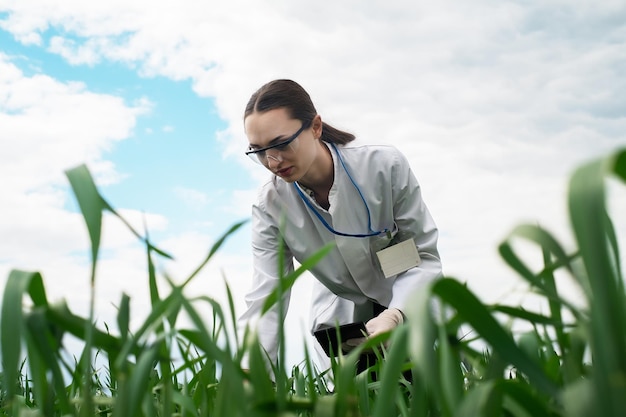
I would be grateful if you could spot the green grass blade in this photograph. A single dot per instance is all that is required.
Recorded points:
(123, 317)
(364, 396)
(153, 321)
(12, 323)
(391, 371)
(546, 241)
(419, 399)
(591, 226)
(232, 382)
(214, 249)
(39, 381)
(144, 240)
(47, 347)
(152, 281)
(60, 315)
(573, 363)
(579, 401)
(311, 377)
(205, 342)
(287, 282)
(187, 406)
(529, 316)
(525, 398)
(91, 205)
(450, 371)
(485, 400)
(259, 377)
(478, 316)
(136, 388)
(423, 335)
(280, 374)
(555, 306)
(232, 312)
(618, 164)
(345, 385)
(510, 257)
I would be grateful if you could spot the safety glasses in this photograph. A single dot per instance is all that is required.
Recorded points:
(276, 150)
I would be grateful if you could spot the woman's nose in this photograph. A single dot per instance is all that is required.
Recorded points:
(276, 158)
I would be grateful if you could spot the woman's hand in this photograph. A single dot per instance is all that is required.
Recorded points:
(386, 321)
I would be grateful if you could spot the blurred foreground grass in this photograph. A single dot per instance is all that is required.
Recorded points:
(572, 361)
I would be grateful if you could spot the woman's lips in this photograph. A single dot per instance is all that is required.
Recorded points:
(285, 172)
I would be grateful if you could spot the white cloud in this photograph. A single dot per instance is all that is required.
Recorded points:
(52, 126)
(47, 127)
(75, 55)
(193, 198)
(494, 104)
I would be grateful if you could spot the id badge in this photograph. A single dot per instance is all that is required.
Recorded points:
(398, 258)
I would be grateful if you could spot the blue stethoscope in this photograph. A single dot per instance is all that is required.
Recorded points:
(325, 223)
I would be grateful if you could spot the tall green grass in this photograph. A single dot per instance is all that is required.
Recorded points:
(570, 360)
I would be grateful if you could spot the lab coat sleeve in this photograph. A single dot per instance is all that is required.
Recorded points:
(413, 220)
(265, 250)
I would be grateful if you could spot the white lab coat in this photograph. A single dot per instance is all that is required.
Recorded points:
(349, 278)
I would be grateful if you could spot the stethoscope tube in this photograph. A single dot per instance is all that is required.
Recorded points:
(324, 222)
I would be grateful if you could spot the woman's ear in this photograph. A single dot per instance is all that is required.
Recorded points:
(317, 126)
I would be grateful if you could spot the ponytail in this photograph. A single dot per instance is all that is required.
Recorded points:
(291, 96)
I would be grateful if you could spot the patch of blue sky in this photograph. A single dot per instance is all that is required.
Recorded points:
(172, 164)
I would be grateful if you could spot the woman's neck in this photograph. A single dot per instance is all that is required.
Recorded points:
(321, 176)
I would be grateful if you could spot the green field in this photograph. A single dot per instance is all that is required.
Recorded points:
(568, 361)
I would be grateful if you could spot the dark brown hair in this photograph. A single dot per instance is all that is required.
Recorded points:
(291, 96)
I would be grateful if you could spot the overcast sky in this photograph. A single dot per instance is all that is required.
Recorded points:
(493, 102)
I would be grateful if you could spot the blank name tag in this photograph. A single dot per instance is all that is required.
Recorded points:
(398, 258)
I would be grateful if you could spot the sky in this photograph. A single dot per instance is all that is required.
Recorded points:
(494, 103)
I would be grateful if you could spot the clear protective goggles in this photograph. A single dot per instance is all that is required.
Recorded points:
(276, 150)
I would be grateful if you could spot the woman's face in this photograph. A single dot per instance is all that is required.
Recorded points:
(292, 148)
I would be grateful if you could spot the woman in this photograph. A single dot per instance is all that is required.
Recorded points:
(325, 189)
